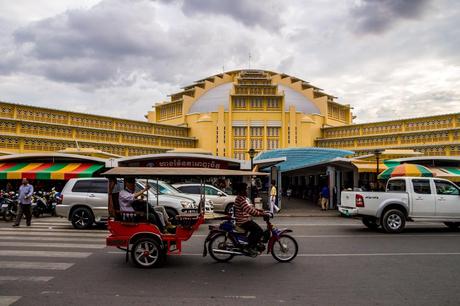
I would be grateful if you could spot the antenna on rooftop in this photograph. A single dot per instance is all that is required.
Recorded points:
(249, 60)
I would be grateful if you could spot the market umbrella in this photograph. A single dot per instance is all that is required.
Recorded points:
(405, 170)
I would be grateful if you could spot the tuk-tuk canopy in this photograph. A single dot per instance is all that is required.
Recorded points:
(148, 172)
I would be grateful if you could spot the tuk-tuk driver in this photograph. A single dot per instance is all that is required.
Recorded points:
(128, 199)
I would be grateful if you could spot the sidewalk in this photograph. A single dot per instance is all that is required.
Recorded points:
(303, 208)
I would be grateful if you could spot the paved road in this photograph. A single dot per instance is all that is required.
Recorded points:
(340, 263)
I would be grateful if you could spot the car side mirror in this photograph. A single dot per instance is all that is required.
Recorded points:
(220, 194)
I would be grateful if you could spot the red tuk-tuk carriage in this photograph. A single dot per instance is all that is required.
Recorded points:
(133, 233)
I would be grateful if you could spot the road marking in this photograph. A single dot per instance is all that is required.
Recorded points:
(359, 236)
(51, 245)
(35, 265)
(244, 297)
(51, 232)
(64, 239)
(26, 278)
(334, 255)
(21, 253)
(61, 230)
(8, 300)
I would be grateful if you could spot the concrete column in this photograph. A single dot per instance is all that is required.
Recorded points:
(331, 177)
(355, 178)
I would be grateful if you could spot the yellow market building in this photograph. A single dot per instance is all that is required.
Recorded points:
(230, 113)
(226, 114)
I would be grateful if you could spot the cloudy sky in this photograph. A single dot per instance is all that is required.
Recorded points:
(387, 58)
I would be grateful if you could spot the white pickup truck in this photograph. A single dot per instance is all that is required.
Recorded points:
(405, 199)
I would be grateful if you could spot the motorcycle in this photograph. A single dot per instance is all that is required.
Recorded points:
(8, 207)
(44, 203)
(226, 241)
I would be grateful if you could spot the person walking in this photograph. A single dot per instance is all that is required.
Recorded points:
(25, 203)
(273, 195)
(325, 197)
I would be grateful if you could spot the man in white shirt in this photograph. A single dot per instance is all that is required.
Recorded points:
(127, 197)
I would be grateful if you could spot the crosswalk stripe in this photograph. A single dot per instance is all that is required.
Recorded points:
(25, 278)
(8, 300)
(47, 229)
(21, 253)
(35, 265)
(42, 230)
(56, 234)
(64, 239)
(51, 245)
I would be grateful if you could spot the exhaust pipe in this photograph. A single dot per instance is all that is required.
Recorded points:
(217, 251)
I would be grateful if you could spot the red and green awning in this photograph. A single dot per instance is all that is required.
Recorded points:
(47, 171)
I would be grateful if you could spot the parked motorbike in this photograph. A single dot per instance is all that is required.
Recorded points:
(44, 203)
(8, 207)
(226, 241)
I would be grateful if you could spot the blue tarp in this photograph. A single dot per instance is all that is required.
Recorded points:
(297, 158)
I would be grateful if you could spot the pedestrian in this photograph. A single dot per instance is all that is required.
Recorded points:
(273, 196)
(25, 203)
(324, 197)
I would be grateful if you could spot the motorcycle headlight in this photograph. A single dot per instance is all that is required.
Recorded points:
(186, 204)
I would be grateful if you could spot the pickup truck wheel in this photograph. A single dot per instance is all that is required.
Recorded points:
(371, 223)
(393, 221)
(452, 225)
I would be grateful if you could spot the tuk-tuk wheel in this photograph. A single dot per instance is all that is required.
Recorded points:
(147, 253)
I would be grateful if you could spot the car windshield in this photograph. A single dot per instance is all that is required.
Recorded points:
(163, 187)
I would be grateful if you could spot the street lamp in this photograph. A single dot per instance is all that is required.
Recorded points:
(251, 153)
(377, 154)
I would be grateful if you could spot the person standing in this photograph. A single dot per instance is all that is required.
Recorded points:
(25, 203)
(325, 197)
(273, 195)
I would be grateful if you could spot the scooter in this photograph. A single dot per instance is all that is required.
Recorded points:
(8, 207)
(226, 241)
(43, 203)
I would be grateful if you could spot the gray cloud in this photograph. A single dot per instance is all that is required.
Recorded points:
(377, 16)
(265, 14)
(122, 53)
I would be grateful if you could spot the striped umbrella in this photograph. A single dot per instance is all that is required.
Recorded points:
(405, 170)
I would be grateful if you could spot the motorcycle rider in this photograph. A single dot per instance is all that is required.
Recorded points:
(243, 212)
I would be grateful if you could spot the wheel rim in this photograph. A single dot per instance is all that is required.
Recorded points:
(81, 218)
(146, 253)
(394, 221)
(284, 248)
(221, 243)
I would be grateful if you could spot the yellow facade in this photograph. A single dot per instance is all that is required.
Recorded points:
(433, 136)
(227, 114)
(28, 129)
(232, 112)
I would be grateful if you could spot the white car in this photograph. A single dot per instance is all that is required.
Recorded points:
(167, 189)
(221, 200)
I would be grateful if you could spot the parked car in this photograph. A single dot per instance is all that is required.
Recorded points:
(165, 188)
(405, 199)
(84, 201)
(221, 200)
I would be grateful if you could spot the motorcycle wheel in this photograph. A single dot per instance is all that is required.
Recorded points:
(7, 216)
(36, 214)
(220, 242)
(285, 248)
